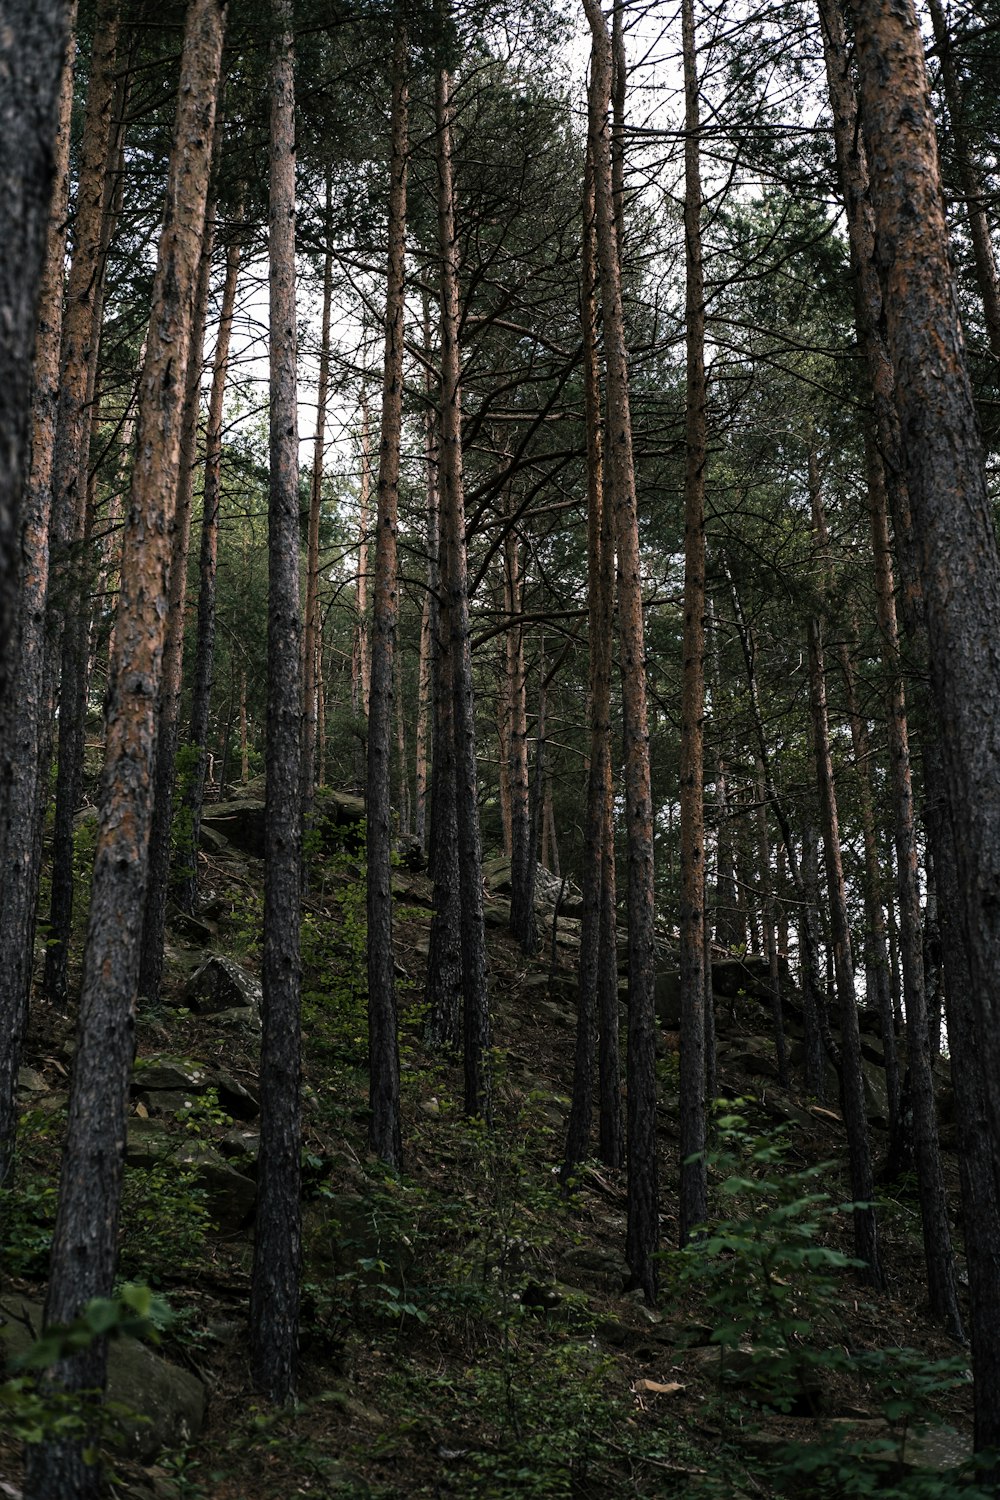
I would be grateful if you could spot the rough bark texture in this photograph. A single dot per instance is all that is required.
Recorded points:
(523, 926)
(81, 332)
(770, 926)
(85, 1241)
(852, 1081)
(983, 254)
(444, 962)
(32, 48)
(274, 1298)
(204, 650)
(20, 779)
(693, 1181)
(169, 708)
(887, 490)
(643, 1192)
(599, 634)
(383, 1041)
(475, 1009)
(360, 663)
(309, 649)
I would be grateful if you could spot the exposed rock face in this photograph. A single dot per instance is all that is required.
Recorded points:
(219, 984)
(240, 823)
(164, 1405)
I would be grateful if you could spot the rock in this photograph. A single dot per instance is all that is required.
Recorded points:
(166, 1101)
(764, 1373)
(241, 1146)
(191, 926)
(219, 984)
(165, 1404)
(240, 822)
(148, 1142)
(754, 1057)
(601, 1266)
(30, 1081)
(213, 842)
(231, 1196)
(174, 1074)
(497, 914)
(240, 1015)
(235, 1097)
(409, 851)
(413, 890)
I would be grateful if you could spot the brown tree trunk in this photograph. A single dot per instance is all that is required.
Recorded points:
(643, 1192)
(887, 488)
(32, 49)
(852, 1081)
(523, 926)
(24, 731)
(598, 827)
(84, 1249)
(204, 650)
(693, 1182)
(429, 615)
(983, 255)
(360, 664)
(770, 926)
(81, 331)
(383, 1042)
(475, 1009)
(169, 707)
(315, 508)
(274, 1297)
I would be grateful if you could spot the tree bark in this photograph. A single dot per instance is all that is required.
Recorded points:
(643, 1191)
(693, 1204)
(204, 651)
(309, 652)
(85, 1241)
(81, 332)
(383, 1042)
(523, 926)
(274, 1297)
(475, 1010)
(25, 730)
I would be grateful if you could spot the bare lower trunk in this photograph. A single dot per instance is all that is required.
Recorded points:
(84, 1249)
(643, 1192)
(383, 1044)
(274, 1297)
(315, 508)
(24, 731)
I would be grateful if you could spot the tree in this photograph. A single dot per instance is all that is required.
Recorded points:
(84, 1250)
(274, 1298)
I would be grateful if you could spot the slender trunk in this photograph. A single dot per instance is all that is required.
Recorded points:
(169, 707)
(81, 332)
(204, 651)
(426, 691)
(983, 255)
(274, 1297)
(84, 1248)
(770, 932)
(383, 1042)
(360, 663)
(402, 769)
(315, 508)
(643, 1193)
(693, 1183)
(20, 772)
(475, 1017)
(522, 875)
(32, 49)
(852, 1080)
(887, 489)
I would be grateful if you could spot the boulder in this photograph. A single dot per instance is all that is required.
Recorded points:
(30, 1081)
(161, 1405)
(230, 1196)
(219, 984)
(176, 1075)
(593, 1266)
(240, 822)
(191, 926)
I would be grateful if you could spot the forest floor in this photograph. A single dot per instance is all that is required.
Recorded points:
(467, 1330)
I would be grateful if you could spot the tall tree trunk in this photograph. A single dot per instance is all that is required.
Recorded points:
(32, 49)
(426, 689)
(81, 331)
(597, 825)
(770, 926)
(887, 488)
(693, 1183)
(169, 707)
(360, 662)
(315, 507)
(383, 1042)
(952, 518)
(983, 255)
(852, 1080)
(204, 651)
(84, 1248)
(475, 1010)
(643, 1192)
(523, 926)
(24, 730)
(274, 1297)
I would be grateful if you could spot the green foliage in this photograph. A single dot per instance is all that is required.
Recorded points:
(165, 1220)
(182, 825)
(771, 1277)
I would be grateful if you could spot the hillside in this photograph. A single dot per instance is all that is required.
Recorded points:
(467, 1330)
